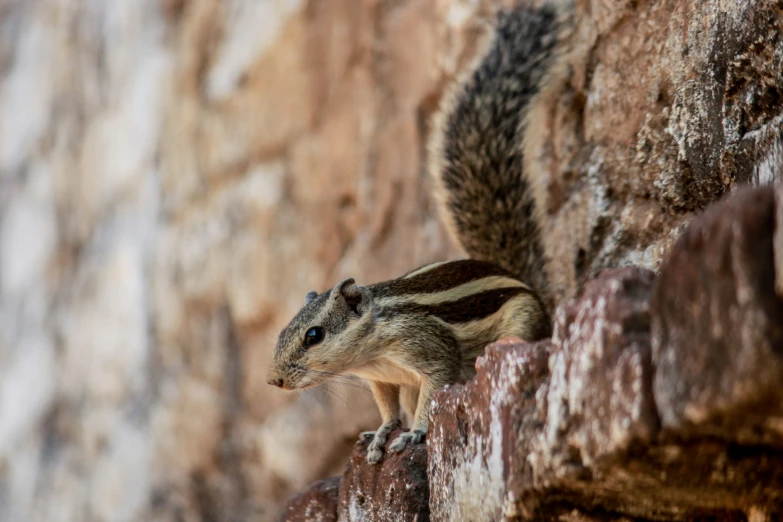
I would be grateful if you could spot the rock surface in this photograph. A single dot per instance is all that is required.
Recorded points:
(669, 106)
(318, 503)
(175, 175)
(395, 490)
(655, 400)
(718, 322)
(678, 420)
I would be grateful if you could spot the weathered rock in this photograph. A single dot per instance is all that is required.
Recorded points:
(539, 416)
(718, 322)
(475, 434)
(670, 105)
(599, 397)
(571, 429)
(396, 490)
(318, 503)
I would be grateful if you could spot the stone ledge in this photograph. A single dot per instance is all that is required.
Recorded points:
(718, 323)
(318, 503)
(394, 490)
(654, 400)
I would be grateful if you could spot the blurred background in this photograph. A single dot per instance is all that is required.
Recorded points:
(175, 175)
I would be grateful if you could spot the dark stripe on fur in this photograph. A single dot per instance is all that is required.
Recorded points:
(439, 279)
(470, 308)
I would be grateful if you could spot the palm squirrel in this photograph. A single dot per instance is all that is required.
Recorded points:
(412, 335)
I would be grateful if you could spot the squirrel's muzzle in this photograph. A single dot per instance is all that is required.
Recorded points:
(275, 378)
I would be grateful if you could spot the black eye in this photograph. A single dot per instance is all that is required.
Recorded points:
(313, 336)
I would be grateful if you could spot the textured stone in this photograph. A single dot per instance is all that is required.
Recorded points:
(473, 437)
(318, 503)
(569, 429)
(395, 490)
(600, 392)
(718, 327)
(539, 415)
(668, 106)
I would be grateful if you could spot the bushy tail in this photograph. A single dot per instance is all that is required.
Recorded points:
(477, 149)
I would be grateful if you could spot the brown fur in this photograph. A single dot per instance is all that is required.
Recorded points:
(409, 344)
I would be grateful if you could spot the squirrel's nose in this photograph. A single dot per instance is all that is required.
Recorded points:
(275, 382)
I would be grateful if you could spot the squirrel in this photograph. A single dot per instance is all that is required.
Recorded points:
(412, 335)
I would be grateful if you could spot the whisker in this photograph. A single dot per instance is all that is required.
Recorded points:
(342, 379)
(357, 385)
(336, 375)
(308, 392)
(329, 392)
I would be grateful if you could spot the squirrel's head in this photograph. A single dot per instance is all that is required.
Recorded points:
(324, 339)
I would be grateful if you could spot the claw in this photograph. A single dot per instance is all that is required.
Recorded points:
(412, 437)
(375, 449)
(374, 456)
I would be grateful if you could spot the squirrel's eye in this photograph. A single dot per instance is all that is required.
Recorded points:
(314, 336)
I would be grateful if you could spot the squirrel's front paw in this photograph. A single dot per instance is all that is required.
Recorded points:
(379, 437)
(412, 437)
(374, 455)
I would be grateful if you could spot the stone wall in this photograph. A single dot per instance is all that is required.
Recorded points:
(669, 106)
(176, 174)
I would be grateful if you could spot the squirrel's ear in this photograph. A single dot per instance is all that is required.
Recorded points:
(357, 298)
(312, 294)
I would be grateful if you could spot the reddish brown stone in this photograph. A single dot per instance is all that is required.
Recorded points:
(474, 441)
(601, 371)
(569, 428)
(318, 503)
(539, 415)
(718, 322)
(394, 490)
